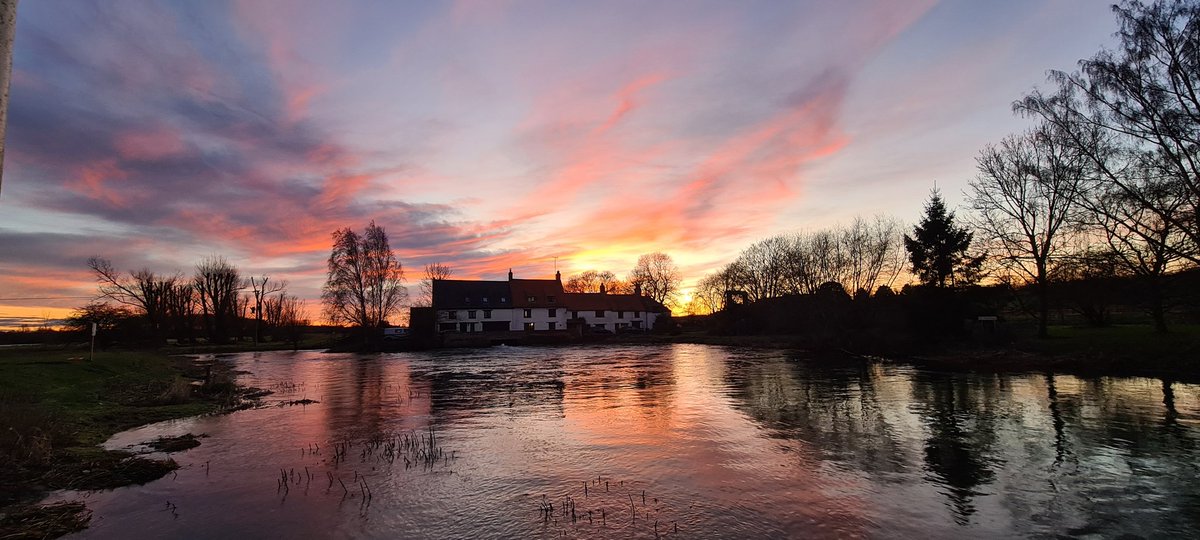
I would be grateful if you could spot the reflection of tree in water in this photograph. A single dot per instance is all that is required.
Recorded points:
(834, 409)
(1124, 441)
(960, 437)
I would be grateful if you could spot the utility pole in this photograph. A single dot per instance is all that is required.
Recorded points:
(8, 26)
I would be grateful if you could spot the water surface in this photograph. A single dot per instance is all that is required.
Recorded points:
(723, 442)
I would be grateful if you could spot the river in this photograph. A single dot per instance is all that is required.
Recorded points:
(673, 441)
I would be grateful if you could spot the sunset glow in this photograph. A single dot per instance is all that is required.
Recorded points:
(491, 135)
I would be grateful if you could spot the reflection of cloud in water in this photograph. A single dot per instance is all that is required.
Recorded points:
(732, 443)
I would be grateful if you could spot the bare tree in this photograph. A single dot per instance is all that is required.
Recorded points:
(658, 276)
(365, 282)
(180, 309)
(1137, 108)
(284, 314)
(217, 284)
(433, 272)
(1025, 197)
(590, 281)
(260, 288)
(709, 294)
(760, 268)
(872, 253)
(143, 290)
(1144, 241)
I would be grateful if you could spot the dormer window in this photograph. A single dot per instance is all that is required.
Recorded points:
(531, 299)
(467, 300)
(485, 299)
(550, 299)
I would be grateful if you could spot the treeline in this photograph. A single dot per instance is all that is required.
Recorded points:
(1102, 189)
(215, 303)
(858, 259)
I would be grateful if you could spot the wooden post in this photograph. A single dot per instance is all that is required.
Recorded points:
(92, 355)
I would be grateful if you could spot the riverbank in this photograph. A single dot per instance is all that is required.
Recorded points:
(57, 406)
(1119, 350)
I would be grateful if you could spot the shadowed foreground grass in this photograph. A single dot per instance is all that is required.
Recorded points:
(57, 406)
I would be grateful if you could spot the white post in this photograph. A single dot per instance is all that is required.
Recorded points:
(92, 355)
(8, 25)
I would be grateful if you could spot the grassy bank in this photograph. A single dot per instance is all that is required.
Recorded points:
(57, 406)
(1111, 350)
(1118, 350)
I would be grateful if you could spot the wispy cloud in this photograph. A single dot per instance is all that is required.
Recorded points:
(485, 135)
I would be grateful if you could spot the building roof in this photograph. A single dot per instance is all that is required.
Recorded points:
(541, 290)
(547, 293)
(611, 302)
(458, 294)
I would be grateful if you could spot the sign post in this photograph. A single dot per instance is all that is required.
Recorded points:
(92, 355)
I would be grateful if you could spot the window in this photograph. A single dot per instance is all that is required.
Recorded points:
(600, 313)
(529, 314)
(529, 326)
(620, 314)
(467, 300)
(554, 326)
(531, 299)
(487, 313)
(552, 312)
(485, 300)
(550, 299)
(503, 299)
(471, 314)
(574, 314)
(452, 315)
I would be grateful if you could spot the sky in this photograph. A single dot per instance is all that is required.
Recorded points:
(493, 134)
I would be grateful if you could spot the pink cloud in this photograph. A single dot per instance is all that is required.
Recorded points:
(157, 143)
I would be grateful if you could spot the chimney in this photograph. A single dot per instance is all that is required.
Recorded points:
(510, 274)
(558, 276)
(602, 288)
(637, 289)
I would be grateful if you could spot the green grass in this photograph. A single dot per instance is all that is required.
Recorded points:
(57, 405)
(92, 399)
(1124, 340)
(1115, 349)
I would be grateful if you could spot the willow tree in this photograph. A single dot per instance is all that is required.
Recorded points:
(365, 285)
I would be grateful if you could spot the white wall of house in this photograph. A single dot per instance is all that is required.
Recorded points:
(540, 317)
(472, 319)
(614, 320)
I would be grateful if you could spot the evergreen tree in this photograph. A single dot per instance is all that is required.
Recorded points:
(938, 248)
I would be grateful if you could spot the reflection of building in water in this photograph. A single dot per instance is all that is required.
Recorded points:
(463, 394)
(536, 305)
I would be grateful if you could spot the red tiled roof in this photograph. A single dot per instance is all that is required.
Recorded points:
(540, 289)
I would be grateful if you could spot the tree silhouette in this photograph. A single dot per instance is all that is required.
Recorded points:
(938, 248)
(658, 276)
(365, 283)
